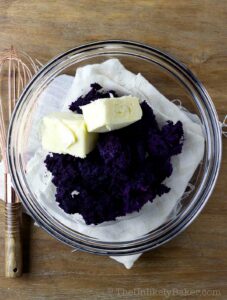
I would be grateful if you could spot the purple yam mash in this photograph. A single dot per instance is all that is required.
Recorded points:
(94, 94)
(124, 171)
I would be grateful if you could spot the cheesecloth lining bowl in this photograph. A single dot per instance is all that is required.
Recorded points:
(174, 80)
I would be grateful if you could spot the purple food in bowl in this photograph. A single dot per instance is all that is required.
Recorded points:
(174, 80)
(124, 171)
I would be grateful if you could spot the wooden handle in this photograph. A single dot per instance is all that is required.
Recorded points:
(13, 245)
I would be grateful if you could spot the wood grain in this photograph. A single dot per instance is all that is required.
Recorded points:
(13, 246)
(194, 262)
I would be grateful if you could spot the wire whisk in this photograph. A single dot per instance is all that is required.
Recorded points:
(16, 70)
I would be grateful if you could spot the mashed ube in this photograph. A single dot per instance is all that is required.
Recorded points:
(125, 170)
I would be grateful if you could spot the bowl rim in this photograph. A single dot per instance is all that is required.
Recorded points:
(118, 248)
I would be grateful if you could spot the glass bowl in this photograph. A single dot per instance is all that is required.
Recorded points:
(174, 80)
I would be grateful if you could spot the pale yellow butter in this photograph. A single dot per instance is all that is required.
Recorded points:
(108, 114)
(66, 133)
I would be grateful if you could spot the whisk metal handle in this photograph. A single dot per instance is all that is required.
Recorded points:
(13, 245)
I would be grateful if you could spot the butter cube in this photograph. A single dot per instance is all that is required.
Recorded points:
(66, 132)
(56, 136)
(108, 114)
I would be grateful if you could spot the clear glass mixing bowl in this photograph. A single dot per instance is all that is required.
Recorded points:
(174, 80)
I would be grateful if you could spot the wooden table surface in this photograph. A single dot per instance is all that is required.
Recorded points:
(195, 263)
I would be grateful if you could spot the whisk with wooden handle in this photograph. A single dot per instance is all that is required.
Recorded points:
(16, 70)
